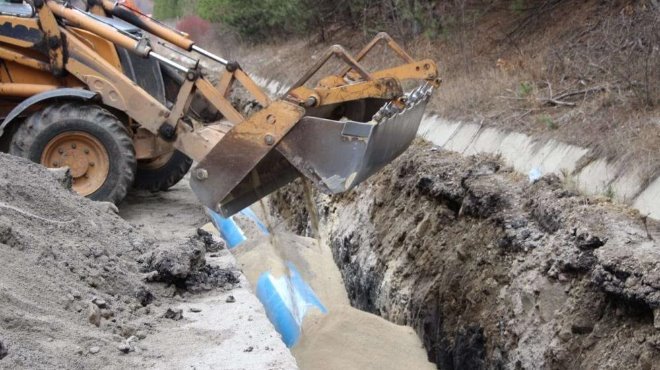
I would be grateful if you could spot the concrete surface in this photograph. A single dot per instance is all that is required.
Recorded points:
(524, 154)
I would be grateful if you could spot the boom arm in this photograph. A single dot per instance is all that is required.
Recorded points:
(359, 112)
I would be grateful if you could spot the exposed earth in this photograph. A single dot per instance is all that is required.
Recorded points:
(493, 271)
(83, 288)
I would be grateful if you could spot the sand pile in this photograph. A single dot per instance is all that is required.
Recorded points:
(72, 291)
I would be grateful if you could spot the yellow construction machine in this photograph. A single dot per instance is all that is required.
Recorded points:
(81, 86)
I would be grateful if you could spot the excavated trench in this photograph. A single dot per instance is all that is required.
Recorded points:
(490, 270)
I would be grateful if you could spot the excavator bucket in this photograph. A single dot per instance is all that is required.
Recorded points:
(335, 155)
(338, 155)
(335, 135)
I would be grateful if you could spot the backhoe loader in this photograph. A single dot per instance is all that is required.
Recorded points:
(82, 86)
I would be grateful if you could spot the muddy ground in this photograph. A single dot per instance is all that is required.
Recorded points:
(490, 270)
(81, 287)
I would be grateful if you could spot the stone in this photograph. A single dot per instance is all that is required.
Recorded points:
(564, 335)
(3, 350)
(107, 314)
(94, 350)
(100, 302)
(230, 299)
(124, 347)
(94, 314)
(195, 309)
(175, 315)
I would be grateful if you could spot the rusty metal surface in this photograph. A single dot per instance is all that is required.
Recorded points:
(273, 172)
(241, 150)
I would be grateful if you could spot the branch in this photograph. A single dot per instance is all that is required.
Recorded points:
(578, 92)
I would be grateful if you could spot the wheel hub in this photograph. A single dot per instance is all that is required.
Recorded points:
(85, 156)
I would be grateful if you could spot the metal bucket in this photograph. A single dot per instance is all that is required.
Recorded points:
(336, 155)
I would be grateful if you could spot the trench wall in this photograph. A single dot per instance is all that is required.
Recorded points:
(532, 157)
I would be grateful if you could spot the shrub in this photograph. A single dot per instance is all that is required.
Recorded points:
(168, 9)
(256, 19)
(194, 26)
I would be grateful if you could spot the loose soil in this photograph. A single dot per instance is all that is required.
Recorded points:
(83, 288)
(344, 337)
(493, 271)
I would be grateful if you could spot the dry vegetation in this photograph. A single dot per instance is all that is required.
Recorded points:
(583, 72)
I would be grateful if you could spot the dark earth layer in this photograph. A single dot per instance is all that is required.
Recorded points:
(492, 271)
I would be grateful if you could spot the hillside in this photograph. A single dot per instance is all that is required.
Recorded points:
(583, 72)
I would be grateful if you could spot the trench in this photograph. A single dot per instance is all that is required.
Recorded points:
(491, 271)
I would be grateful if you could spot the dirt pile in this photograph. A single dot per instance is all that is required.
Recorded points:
(492, 271)
(73, 294)
(344, 337)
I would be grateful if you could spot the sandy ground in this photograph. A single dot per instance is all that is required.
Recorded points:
(222, 335)
(83, 288)
(344, 337)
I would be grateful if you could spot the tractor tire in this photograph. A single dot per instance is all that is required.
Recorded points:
(88, 139)
(162, 173)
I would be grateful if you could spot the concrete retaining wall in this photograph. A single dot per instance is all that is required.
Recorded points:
(526, 154)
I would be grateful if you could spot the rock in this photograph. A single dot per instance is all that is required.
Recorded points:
(100, 302)
(656, 318)
(174, 263)
(63, 176)
(128, 345)
(249, 349)
(94, 350)
(230, 299)
(564, 335)
(94, 314)
(3, 350)
(195, 309)
(150, 276)
(107, 314)
(144, 296)
(124, 347)
(175, 315)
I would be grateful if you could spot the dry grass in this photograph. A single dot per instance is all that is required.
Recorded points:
(584, 73)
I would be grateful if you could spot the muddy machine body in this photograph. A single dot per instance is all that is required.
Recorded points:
(84, 88)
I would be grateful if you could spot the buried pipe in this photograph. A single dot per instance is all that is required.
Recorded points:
(303, 293)
(286, 299)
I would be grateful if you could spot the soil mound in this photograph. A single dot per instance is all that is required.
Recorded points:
(71, 284)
